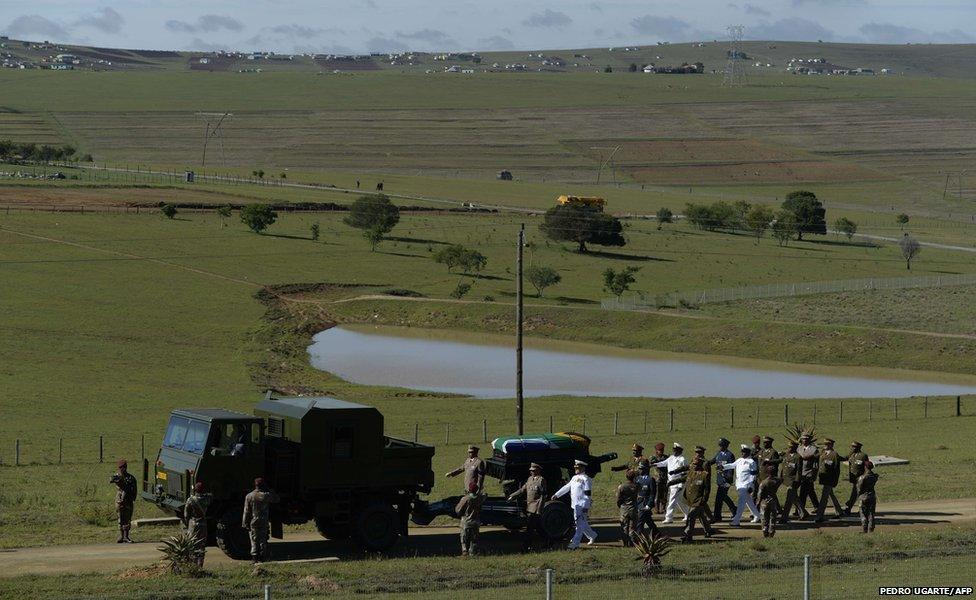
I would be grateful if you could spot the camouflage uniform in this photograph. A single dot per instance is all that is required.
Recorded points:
(195, 515)
(769, 507)
(789, 473)
(868, 499)
(474, 470)
(627, 504)
(125, 498)
(809, 466)
(469, 509)
(257, 509)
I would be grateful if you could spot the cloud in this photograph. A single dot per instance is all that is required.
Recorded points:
(205, 23)
(752, 9)
(888, 33)
(28, 25)
(495, 42)
(105, 19)
(297, 31)
(385, 44)
(664, 27)
(794, 29)
(829, 2)
(433, 37)
(548, 18)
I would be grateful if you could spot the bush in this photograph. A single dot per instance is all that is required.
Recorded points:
(169, 210)
(375, 216)
(258, 217)
(460, 291)
(542, 277)
(315, 229)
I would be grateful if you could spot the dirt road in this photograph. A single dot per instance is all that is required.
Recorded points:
(428, 541)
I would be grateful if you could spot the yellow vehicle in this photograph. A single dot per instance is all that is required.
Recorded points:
(587, 201)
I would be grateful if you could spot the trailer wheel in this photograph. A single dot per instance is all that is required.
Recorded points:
(330, 530)
(557, 520)
(231, 537)
(377, 526)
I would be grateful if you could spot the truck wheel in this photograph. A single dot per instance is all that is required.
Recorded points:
(331, 531)
(557, 520)
(231, 537)
(377, 526)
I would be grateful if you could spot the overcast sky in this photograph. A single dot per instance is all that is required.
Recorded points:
(343, 26)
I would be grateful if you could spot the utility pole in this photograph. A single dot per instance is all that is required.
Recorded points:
(519, 403)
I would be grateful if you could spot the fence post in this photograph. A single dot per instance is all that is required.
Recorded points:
(732, 417)
(958, 406)
(704, 418)
(548, 584)
(484, 430)
(550, 423)
(17, 453)
(925, 408)
(806, 577)
(814, 414)
(786, 414)
(615, 420)
(447, 433)
(870, 409)
(101, 449)
(841, 411)
(645, 421)
(60, 449)
(416, 432)
(896, 408)
(670, 419)
(757, 416)
(267, 591)
(584, 426)
(142, 444)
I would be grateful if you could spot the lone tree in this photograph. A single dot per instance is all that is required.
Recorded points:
(223, 212)
(784, 227)
(169, 210)
(902, 220)
(457, 256)
(808, 211)
(618, 282)
(583, 225)
(375, 216)
(316, 231)
(758, 220)
(909, 249)
(258, 217)
(664, 215)
(846, 226)
(542, 277)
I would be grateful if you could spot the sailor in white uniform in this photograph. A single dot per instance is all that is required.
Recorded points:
(745, 475)
(580, 490)
(675, 492)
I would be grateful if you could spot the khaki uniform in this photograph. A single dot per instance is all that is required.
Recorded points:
(195, 514)
(754, 490)
(627, 505)
(809, 467)
(660, 475)
(766, 457)
(474, 470)
(769, 507)
(257, 520)
(125, 498)
(469, 509)
(698, 487)
(855, 468)
(868, 500)
(632, 465)
(829, 478)
(535, 493)
(789, 474)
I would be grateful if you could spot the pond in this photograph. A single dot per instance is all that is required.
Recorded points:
(483, 366)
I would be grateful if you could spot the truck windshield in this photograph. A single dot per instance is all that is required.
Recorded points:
(186, 435)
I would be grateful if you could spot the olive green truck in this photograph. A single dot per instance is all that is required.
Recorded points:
(328, 460)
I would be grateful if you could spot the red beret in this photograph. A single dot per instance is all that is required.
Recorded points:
(659, 446)
(258, 481)
(755, 439)
(198, 487)
(122, 464)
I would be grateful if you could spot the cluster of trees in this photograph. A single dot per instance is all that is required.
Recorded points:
(801, 212)
(31, 151)
(457, 256)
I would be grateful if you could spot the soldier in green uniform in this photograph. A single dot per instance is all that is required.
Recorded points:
(855, 468)
(697, 488)
(866, 496)
(473, 469)
(627, 505)
(756, 450)
(829, 478)
(809, 466)
(469, 510)
(195, 519)
(637, 456)
(789, 476)
(660, 475)
(769, 507)
(125, 498)
(257, 519)
(768, 456)
(534, 491)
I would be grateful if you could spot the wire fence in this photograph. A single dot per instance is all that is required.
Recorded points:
(681, 416)
(780, 290)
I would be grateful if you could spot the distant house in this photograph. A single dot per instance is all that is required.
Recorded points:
(649, 69)
(505, 175)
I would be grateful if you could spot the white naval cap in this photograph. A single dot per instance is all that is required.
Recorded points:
(579, 463)
(677, 445)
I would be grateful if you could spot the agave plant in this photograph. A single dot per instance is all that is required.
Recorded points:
(651, 549)
(794, 431)
(180, 553)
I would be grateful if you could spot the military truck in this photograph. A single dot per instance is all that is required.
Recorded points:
(327, 459)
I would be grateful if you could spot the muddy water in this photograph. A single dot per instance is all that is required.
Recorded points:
(484, 366)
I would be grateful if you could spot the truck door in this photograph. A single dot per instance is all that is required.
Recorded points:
(237, 456)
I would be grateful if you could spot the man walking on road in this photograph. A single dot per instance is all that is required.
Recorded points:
(866, 496)
(469, 510)
(789, 474)
(660, 479)
(580, 490)
(257, 519)
(125, 498)
(809, 466)
(745, 478)
(697, 487)
(769, 502)
(674, 464)
(647, 490)
(722, 481)
(535, 492)
(627, 493)
(829, 478)
(473, 469)
(855, 468)
(195, 519)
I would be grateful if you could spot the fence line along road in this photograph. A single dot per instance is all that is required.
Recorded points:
(779, 290)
